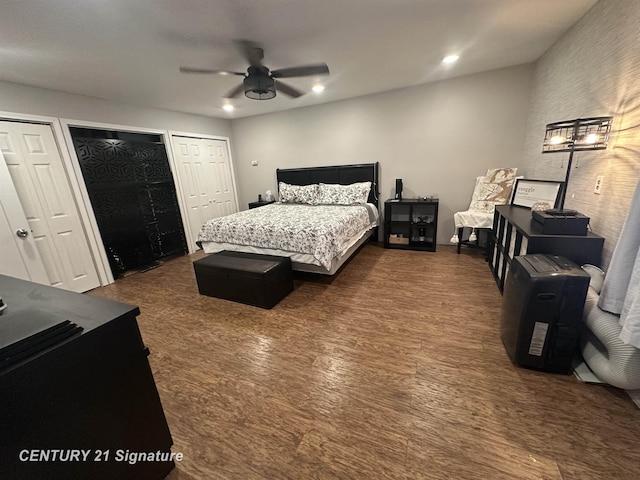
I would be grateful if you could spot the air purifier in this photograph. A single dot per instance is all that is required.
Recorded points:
(542, 307)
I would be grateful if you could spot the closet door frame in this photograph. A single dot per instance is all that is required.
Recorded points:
(191, 242)
(92, 224)
(60, 137)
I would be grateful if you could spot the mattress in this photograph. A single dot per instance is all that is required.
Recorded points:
(321, 236)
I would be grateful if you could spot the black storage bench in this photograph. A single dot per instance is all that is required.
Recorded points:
(259, 280)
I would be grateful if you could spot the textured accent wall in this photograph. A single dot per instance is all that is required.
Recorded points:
(593, 70)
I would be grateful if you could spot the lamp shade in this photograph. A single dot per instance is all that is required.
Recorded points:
(577, 135)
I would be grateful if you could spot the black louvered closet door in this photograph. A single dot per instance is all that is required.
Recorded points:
(133, 196)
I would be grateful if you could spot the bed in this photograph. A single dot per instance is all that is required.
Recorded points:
(318, 236)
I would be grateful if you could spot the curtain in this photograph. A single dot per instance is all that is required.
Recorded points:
(621, 289)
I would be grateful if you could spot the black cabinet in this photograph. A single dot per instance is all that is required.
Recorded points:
(93, 392)
(513, 234)
(411, 224)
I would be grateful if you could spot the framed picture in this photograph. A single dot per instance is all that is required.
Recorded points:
(528, 192)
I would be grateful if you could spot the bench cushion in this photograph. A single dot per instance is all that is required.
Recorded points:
(259, 280)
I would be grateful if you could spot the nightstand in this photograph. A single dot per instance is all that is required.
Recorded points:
(411, 224)
(260, 203)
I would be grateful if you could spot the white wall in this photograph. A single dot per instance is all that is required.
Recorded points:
(437, 137)
(593, 70)
(40, 101)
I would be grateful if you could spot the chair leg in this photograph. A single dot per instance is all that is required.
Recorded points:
(487, 246)
(460, 229)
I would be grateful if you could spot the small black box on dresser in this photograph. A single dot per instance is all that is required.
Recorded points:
(548, 224)
(253, 279)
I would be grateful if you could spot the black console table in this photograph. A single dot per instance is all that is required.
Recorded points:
(91, 392)
(513, 234)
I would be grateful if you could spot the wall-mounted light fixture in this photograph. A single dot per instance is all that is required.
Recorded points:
(573, 136)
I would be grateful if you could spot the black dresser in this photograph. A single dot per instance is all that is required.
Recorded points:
(89, 389)
(515, 234)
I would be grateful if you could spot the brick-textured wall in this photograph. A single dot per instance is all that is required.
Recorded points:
(593, 70)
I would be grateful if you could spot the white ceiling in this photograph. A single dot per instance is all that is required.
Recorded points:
(130, 50)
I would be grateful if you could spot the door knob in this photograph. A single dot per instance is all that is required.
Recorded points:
(22, 233)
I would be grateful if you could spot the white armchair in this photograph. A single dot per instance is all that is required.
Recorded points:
(493, 188)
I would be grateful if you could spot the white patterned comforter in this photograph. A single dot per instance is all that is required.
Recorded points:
(324, 231)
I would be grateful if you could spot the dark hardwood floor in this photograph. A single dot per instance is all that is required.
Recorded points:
(392, 369)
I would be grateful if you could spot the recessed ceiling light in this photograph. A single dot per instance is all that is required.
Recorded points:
(318, 88)
(228, 107)
(449, 59)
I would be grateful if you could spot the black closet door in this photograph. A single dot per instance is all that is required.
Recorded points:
(133, 197)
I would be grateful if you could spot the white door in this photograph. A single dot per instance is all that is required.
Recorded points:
(204, 173)
(35, 165)
(19, 256)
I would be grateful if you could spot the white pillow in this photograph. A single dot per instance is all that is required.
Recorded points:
(487, 194)
(298, 193)
(334, 194)
(497, 175)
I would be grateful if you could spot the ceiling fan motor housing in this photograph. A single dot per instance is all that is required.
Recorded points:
(258, 84)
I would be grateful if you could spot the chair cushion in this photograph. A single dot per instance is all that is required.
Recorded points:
(473, 219)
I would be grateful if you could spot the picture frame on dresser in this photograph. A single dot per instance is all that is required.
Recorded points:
(527, 192)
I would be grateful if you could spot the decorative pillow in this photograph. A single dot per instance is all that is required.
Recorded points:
(497, 175)
(487, 194)
(335, 194)
(298, 193)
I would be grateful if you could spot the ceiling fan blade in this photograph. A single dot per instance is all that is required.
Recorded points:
(288, 90)
(302, 71)
(209, 70)
(235, 92)
(251, 51)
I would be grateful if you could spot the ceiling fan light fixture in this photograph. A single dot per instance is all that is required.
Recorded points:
(259, 87)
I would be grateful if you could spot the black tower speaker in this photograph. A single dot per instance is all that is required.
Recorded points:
(398, 189)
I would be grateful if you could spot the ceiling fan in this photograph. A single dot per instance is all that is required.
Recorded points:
(259, 82)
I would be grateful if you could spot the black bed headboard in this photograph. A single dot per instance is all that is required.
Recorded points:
(341, 174)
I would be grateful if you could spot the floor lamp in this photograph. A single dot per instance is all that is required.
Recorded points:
(574, 136)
